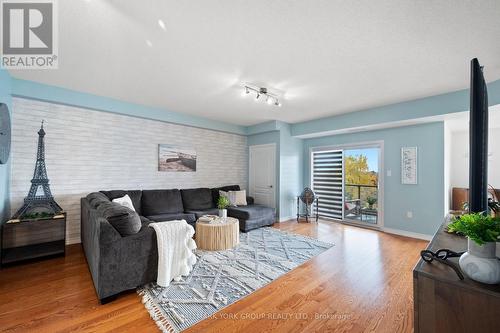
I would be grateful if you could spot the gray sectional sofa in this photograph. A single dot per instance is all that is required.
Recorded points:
(121, 249)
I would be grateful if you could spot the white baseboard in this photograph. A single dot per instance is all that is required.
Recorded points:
(283, 219)
(407, 233)
(73, 240)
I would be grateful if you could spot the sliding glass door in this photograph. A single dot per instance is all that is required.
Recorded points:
(347, 181)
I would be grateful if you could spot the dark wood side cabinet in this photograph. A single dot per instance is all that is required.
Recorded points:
(443, 303)
(26, 240)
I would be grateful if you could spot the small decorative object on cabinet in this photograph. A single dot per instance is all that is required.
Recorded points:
(39, 202)
(482, 231)
(38, 228)
(30, 239)
(308, 198)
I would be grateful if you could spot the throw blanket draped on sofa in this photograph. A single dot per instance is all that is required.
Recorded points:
(175, 250)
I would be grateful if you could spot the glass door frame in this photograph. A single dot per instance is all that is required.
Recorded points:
(381, 175)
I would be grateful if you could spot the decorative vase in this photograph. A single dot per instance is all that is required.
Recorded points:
(223, 213)
(480, 262)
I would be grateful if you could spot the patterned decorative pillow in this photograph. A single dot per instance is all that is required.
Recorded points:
(125, 201)
(236, 198)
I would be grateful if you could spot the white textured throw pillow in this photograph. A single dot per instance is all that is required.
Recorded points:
(236, 198)
(125, 201)
(240, 197)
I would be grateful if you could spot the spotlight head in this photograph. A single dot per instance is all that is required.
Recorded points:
(257, 97)
(245, 92)
(269, 100)
(277, 103)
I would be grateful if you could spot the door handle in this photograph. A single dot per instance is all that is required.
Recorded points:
(270, 186)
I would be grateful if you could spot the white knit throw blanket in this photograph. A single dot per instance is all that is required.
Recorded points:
(175, 250)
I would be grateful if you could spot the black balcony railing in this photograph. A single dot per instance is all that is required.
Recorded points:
(361, 202)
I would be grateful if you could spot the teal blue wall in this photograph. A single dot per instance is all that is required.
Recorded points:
(452, 102)
(291, 165)
(43, 92)
(425, 200)
(5, 97)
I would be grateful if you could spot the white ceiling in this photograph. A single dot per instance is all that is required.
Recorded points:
(327, 57)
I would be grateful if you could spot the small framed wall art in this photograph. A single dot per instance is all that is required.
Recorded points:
(176, 159)
(409, 165)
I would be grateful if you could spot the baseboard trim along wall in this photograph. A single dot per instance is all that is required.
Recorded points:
(288, 218)
(407, 233)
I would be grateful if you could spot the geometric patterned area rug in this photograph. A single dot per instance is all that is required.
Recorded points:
(220, 278)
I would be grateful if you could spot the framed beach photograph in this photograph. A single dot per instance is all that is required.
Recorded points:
(409, 165)
(176, 159)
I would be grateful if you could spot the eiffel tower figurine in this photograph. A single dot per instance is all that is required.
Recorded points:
(39, 199)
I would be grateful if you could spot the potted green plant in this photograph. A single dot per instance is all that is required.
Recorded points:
(222, 204)
(371, 201)
(482, 232)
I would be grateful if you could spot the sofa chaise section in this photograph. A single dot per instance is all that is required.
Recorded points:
(253, 216)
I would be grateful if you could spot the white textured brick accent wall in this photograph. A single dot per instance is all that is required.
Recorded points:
(88, 150)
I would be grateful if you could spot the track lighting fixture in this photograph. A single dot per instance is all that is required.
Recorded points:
(270, 98)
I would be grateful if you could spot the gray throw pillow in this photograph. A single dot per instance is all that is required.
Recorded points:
(95, 199)
(123, 219)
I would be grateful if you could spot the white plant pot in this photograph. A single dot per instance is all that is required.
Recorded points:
(480, 262)
(223, 213)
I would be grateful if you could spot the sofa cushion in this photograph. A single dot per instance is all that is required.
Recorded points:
(156, 202)
(190, 218)
(251, 212)
(95, 199)
(123, 219)
(247, 225)
(135, 196)
(197, 199)
(200, 213)
(215, 191)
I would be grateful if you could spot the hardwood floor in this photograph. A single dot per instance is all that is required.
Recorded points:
(362, 284)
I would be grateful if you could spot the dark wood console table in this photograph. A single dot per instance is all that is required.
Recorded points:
(443, 303)
(24, 240)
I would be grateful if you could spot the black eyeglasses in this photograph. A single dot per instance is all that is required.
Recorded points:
(441, 256)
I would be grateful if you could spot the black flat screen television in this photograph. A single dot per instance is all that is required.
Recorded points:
(478, 140)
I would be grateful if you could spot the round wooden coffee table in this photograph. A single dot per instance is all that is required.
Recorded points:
(218, 235)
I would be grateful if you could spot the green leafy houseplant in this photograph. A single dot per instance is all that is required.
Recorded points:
(223, 202)
(371, 201)
(479, 227)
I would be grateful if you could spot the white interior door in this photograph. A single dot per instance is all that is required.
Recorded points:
(262, 174)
